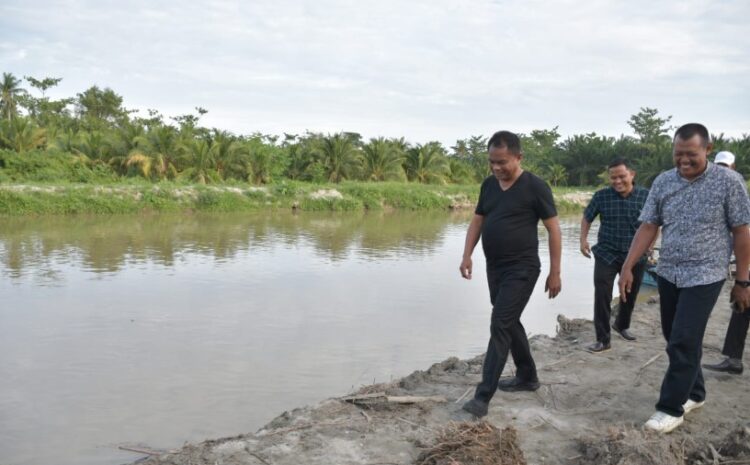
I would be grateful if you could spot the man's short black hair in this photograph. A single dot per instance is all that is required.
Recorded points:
(505, 139)
(620, 161)
(688, 131)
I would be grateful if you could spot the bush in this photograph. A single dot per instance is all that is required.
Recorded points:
(51, 166)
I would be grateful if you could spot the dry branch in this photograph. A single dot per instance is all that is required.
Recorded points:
(144, 450)
(643, 367)
(381, 397)
(466, 393)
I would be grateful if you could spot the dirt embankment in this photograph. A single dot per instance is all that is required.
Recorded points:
(589, 410)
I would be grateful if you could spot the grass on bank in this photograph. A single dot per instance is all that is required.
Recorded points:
(135, 197)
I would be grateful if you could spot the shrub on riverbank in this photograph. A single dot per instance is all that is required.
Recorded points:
(51, 166)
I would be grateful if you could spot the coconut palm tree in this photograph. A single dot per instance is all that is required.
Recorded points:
(130, 136)
(426, 163)
(300, 156)
(201, 157)
(226, 146)
(557, 174)
(584, 156)
(21, 135)
(459, 171)
(382, 160)
(339, 157)
(263, 160)
(162, 145)
(126, 149)
(474, 152)
(62, 140)
(140, 163)
(94, 145)
(10, 92)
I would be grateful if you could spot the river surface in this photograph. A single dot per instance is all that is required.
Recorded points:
(157, 330)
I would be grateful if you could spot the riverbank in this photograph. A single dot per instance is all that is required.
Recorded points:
(589, 410)
(62, 199)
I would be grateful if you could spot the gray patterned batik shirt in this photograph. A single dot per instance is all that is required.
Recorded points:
(696, 218)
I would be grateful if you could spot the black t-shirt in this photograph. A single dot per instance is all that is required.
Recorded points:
(509, 230)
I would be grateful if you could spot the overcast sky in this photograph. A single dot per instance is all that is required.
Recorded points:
(425, 70)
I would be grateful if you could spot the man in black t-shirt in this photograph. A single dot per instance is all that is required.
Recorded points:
(511, 203)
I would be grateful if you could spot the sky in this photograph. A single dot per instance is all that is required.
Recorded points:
(423, 70)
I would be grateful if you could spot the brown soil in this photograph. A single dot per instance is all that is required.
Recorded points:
(589, 410)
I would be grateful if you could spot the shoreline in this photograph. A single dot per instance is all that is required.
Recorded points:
(73, 199)
(589, 410)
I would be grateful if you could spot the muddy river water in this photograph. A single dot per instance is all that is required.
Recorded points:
(156, 330)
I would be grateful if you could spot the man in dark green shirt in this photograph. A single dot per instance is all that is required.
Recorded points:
(618, 208)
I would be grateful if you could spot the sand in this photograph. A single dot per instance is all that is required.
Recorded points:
(589, 410)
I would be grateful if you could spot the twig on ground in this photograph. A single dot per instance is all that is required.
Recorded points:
(414, 424)
(536, 426)
(143, 450)
(300, 427)
(257, 456)
(381, 397)
(541, 399)
(556, 362)
(548, 422)
(367, 417)
(552, 395)
(581, 411)
(466, 393)
(715, 454)
(649, 362)
(643, 367)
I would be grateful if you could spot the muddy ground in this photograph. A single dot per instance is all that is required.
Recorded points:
(589, 410)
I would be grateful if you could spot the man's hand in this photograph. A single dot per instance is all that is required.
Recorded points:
(553, 285)
(465, 267)
(585, 249)
(625, 283)
(741, 297)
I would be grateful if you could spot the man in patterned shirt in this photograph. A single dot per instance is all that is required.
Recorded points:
(618, 208)
(704, 212)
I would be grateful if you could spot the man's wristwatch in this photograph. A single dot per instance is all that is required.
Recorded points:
(741, 283)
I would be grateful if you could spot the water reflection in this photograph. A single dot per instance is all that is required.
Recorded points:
(109, 244)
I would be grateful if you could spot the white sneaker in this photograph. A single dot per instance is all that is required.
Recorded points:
(691, 405)
(663, 422)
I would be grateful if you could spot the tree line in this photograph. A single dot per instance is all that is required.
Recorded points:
(94, 133)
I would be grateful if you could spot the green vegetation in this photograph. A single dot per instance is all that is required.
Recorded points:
(91, 139)
(140, 196)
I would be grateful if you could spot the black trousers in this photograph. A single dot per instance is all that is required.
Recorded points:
(604, 279)
(684, 315)
(734, 342)
(510, 289)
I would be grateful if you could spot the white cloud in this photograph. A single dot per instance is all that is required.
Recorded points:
(424, 70)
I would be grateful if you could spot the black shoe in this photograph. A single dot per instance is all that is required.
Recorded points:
(728, 365)
(598, 347)
(624, 333)
(516, 384)
(476, 407)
